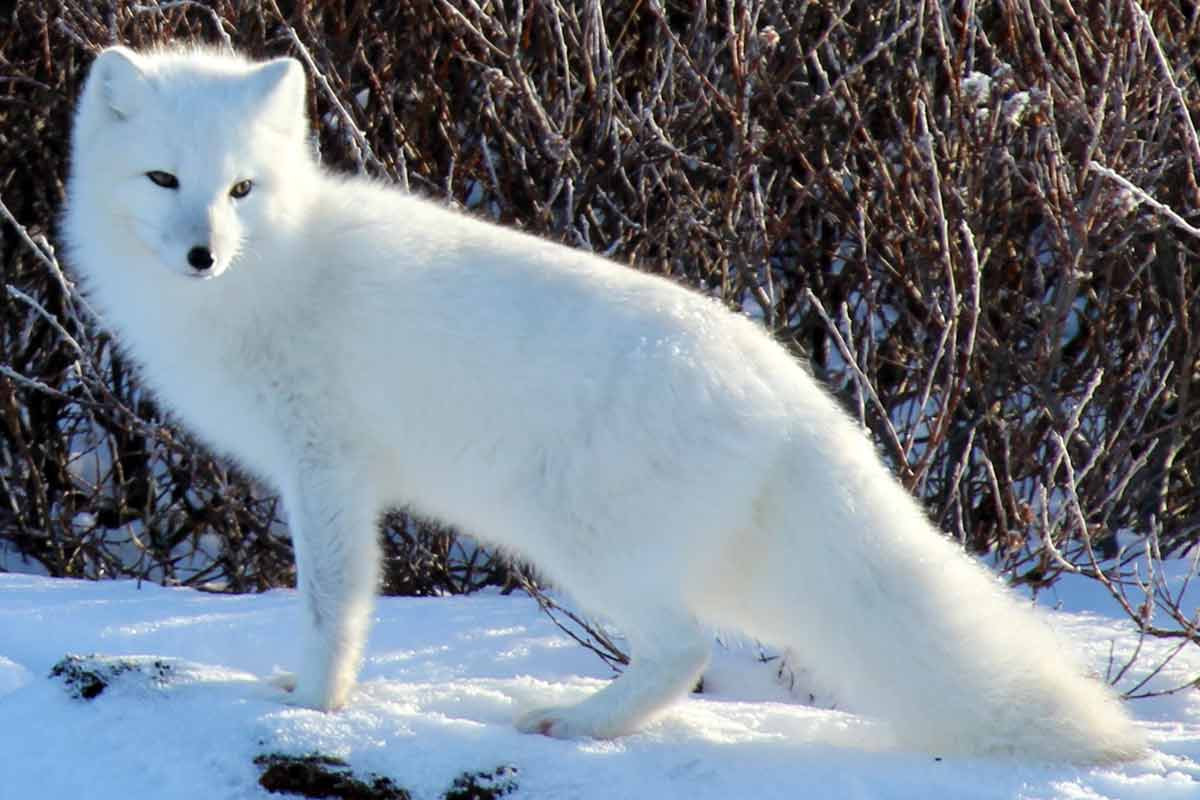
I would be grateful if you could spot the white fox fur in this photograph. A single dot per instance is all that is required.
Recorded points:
(658, 456)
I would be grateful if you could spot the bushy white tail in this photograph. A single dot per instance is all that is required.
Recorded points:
(902, 625)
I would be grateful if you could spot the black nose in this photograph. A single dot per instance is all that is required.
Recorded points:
(200, 258)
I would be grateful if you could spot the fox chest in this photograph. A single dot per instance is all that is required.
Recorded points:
(238, 399)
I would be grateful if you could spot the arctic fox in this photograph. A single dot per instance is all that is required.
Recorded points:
(658, 456)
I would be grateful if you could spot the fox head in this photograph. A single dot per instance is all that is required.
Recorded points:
(189, 154)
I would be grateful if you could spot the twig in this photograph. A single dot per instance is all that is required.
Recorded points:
(162, 7)
(861, 64)
(46, 315)
(863, 381)
(594, 639)
(363, 152)
(31, 383)
(1144, 197)
(1182, 108)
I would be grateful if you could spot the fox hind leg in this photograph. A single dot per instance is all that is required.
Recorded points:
(667, 658)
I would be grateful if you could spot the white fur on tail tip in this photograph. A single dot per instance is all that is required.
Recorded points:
(659, 457)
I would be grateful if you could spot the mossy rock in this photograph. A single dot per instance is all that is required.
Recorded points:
(87, 677)
(484, 785)
(323, 776)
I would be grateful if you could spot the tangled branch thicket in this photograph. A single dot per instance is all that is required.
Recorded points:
(978, 222)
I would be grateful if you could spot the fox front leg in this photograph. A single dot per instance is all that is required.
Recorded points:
(333, 528)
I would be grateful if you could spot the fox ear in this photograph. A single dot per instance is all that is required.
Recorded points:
(118, 81)
(281, 85)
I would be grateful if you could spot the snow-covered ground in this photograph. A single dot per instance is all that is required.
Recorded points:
(443, 679)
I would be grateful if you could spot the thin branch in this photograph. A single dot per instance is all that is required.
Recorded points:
(1144, 197)
(861, 379)
(1182, 106)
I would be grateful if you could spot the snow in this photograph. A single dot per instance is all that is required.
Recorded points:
(444, 678)
(1014, 108)
(977, 86)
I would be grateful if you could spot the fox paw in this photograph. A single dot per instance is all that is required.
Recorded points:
(553, 722)
(295, 693)
(284, 681)
(566, 722)
(283, 688)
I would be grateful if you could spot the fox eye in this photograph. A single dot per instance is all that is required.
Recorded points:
(164, 179)
(241, 189)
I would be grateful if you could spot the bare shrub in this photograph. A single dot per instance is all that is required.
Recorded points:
(978, 222)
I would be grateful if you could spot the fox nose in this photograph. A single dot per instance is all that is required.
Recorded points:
(200, 258)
